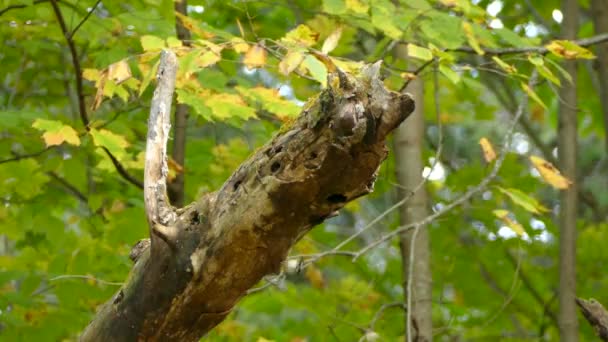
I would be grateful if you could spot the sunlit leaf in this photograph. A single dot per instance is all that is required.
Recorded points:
(119, 71)
(503, 65)
(56, 132)
(151, 43)
(419, 52)
(317, 70)
(533, 95)
(471, 38)
(239, 45)
(523, 200)
(113, 142)
(301, 35)
(550, 173)
(315, 277)
(357, 6)
(503, 215)
(331, 41)
(290, 62)
(488, 151)
(451, 75)
(542, 69)
(255, 57)
(225, 106)
(569, 50)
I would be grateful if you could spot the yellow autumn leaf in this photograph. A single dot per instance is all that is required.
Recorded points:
(569, 50)
(488, 151)
(119, 71)
(239, 45)
(503, 215)
(468, 31)
(290, 62)
(332, 41)
(255, 57)
(315, 277)
(56, 133)
(550, 173)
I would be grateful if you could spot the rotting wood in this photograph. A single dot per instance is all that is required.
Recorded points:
(218, 247)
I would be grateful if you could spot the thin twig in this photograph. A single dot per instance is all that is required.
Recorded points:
(86, 17)
(585, 42)
(472, 192)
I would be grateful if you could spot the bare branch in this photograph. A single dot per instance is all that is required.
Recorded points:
(586, 42)
(86, 17)
(82, 109)
(158, 209)
(596, 315)
(472, 192)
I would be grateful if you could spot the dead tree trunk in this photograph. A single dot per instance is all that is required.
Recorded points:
(203, 258)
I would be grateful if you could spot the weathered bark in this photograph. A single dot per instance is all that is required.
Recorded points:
(415, 250)
(596, 315)
(178, 153)
(567, 154)
(599, 12)
(223, 244)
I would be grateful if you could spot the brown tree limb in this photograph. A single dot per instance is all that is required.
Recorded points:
(596, 315)
(225, 242)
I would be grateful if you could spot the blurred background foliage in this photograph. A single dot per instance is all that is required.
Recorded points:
(68, 217)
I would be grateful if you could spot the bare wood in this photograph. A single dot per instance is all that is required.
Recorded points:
(158, 210)
(596, 315)
(224, 243)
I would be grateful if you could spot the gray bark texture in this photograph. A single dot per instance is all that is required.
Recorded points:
(409, 164)
(178, 153)
(567, 155)
(204, 257)
(596, 315)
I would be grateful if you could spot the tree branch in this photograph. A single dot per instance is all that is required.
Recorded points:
(158, 209)
(227, 241)
(596, 315)
(82, 110)
(585, 42)
(86, 17)
(178, 153)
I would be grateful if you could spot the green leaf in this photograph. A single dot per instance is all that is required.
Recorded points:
(383, 18)
(419, 52)
(523, 200)
(301, 35)
(334, 6)
(561, 70)
(533, 95)
(504, 66)
(113, 142)
(152, 43)
(317, 70)
(225, 106)
(56, 133)
(451, 75)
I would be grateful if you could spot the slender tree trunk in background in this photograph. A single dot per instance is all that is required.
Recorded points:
(599, 11)
(176, 186)
(408, 155)
(567, 146)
